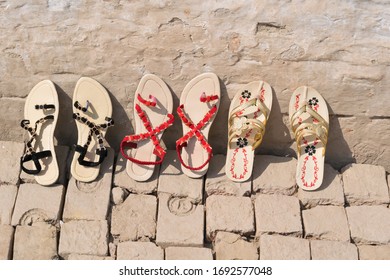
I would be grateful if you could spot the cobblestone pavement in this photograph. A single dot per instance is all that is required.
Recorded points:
(175, 217)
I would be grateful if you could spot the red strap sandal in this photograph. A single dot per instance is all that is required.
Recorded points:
(151, 122)
(193, 150)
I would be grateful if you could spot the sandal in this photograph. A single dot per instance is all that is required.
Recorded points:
(309, 119)
(41, 114)
(152, 114)
(199, 106)
(248, 115)
(92, 111)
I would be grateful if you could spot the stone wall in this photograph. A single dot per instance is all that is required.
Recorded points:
(341, 48)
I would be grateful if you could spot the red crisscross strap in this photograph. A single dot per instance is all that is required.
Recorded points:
(130, 140)
(195, 132)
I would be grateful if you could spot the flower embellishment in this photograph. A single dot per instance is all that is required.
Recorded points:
(310, 149)
(242, 142)
(240, 124)
(313, 101)
(246, 94)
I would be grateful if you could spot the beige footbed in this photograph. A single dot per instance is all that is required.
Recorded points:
(149, 85)
(310, 169)
(100, 107)
(194, 154)
(239, 161)
(44, 93)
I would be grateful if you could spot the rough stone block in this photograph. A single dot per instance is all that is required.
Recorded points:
(135, 218)
(10, 162)
(77, 257)
(278, 214)
(35, 243)
(118, 195)
(6, 241)
(173, 181)
(90, 201)
(333, 250)
(365, 184)
(188, 253)
(139, 251)
(123, 180)
(62, 153)
(36, 203)
(368, 252)
(218, 183)
(228, 213)
(231, 246)
(7, 201)
(180, 222)
(369, 224)
(267, 177)
(326, 222)
(84, 237)
(276, 247)
(330, 193)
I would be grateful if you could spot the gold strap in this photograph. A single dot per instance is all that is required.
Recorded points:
(320, 129)
(248, 124)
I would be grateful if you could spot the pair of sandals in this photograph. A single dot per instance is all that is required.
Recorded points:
(153, 107)
(92, 110)
(248, 116)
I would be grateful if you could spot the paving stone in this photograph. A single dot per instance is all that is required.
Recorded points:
(135, 218)
(326, 222)
(62, 153)
(365, 184)
(84, 237)
(267, 175)
(276, 247)
(123, 180)
(6, 241)
(278, 214)
(90, 201)
(35, 243)
(333, 250)
(139, 251)
(180, 222)
(118, 195)
(173, 181)
(231, 246)
(369, 224)
(228, 213)
(188, 253)
(77, 257)
(36, 203)
(10, 162)
(7, 201)
(218, 183)
(368, 252)
(330, 193)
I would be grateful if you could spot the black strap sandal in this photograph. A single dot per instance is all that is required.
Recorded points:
(95, 130)
(30, 154)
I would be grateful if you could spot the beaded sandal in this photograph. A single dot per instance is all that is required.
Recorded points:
(41, 114)
(199, 106)
(92, 111)
(153, 115)
(309, 119)
(248, 115)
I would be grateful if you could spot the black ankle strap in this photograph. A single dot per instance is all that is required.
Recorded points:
(34, 157)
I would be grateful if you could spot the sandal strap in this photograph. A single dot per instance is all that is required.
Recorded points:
(195, 131)
(129, 141)
(239, 114)
(35, 158)
(94, 130)
(151, 103)
(320, 129)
